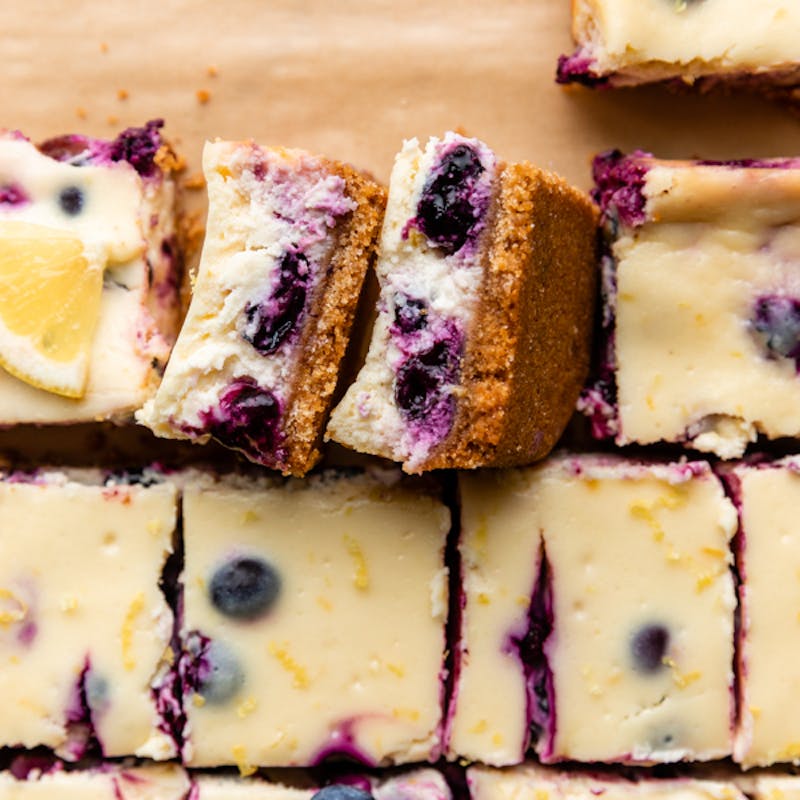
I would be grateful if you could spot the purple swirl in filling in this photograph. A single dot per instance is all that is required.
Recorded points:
(269, 323)
(430, 366)
(12, 194)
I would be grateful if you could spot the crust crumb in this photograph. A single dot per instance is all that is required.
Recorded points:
(112, 119)
(203, 96)
(80, 112)
(122, 94)
(168, 160)
(194, 182)
(212, 71)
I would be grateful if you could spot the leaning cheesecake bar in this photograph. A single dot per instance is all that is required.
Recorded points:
(315, 627)
(85, 630)
(701, 302)
(533, 782)
(614, 638)
(89, 274)
(768, 555)
(705, 43)
(481, 343)
(417, 784)
(106, 782)
(288, 242)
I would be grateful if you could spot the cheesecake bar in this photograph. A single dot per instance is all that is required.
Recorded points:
(418, 784)
(701, 280)
(533, 782)
(315, 627)
(108, 782)
(599, 603)
(768, 555)
(91, 272)
(288, 242)
(699, 43)
(481, 343)
(85, 630)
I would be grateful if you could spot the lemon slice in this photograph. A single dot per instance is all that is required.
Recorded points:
(50, 287)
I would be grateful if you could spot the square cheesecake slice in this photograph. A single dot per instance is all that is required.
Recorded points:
(614, 630)
(417, 784)
(315, 627)
(481, 343)
(85, 629)
(534, 782)
(288, 242)
(701, 43)
(701, 280)
(768, 495)
(91, 273)
(106, 782)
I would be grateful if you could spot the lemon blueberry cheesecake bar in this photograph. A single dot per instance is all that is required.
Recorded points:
(288, 242)
(701, 286)
(597, 614)
(89, 274)
(85, 629)
(314, 628)
(691, 42)
(481, 343)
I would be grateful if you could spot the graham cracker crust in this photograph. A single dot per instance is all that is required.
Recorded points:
(527, 355)
(326, 332)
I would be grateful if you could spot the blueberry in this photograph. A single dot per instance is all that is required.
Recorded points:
(244, 587)
(410, 314)
(341, 791)
(446, 213)
(96, 687)
(268, 324)
(648, 647)
(220, 675)
(247, 419)
(71, 200)
(776, 321)
(421, 379)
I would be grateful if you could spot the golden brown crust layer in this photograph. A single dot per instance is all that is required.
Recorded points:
(528, 352)
(326, 334)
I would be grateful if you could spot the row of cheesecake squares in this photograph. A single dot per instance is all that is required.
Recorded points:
(585, 609)
(525, 782)
(487, 277)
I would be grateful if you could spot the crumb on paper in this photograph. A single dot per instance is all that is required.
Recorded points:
(81, 113)
(122, 94)
(103, 47)
(112, 119)
(203, 96)
(195, 181)
(212, 71)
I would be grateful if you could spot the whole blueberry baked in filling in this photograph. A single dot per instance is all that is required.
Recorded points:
(701, 291)
(288, 242)
(90, 271)
(486, 276)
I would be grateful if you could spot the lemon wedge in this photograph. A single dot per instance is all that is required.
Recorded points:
(50, 287)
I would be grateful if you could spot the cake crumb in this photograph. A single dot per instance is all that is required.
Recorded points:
(194, 182)
(122, 94)
(203, 96)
